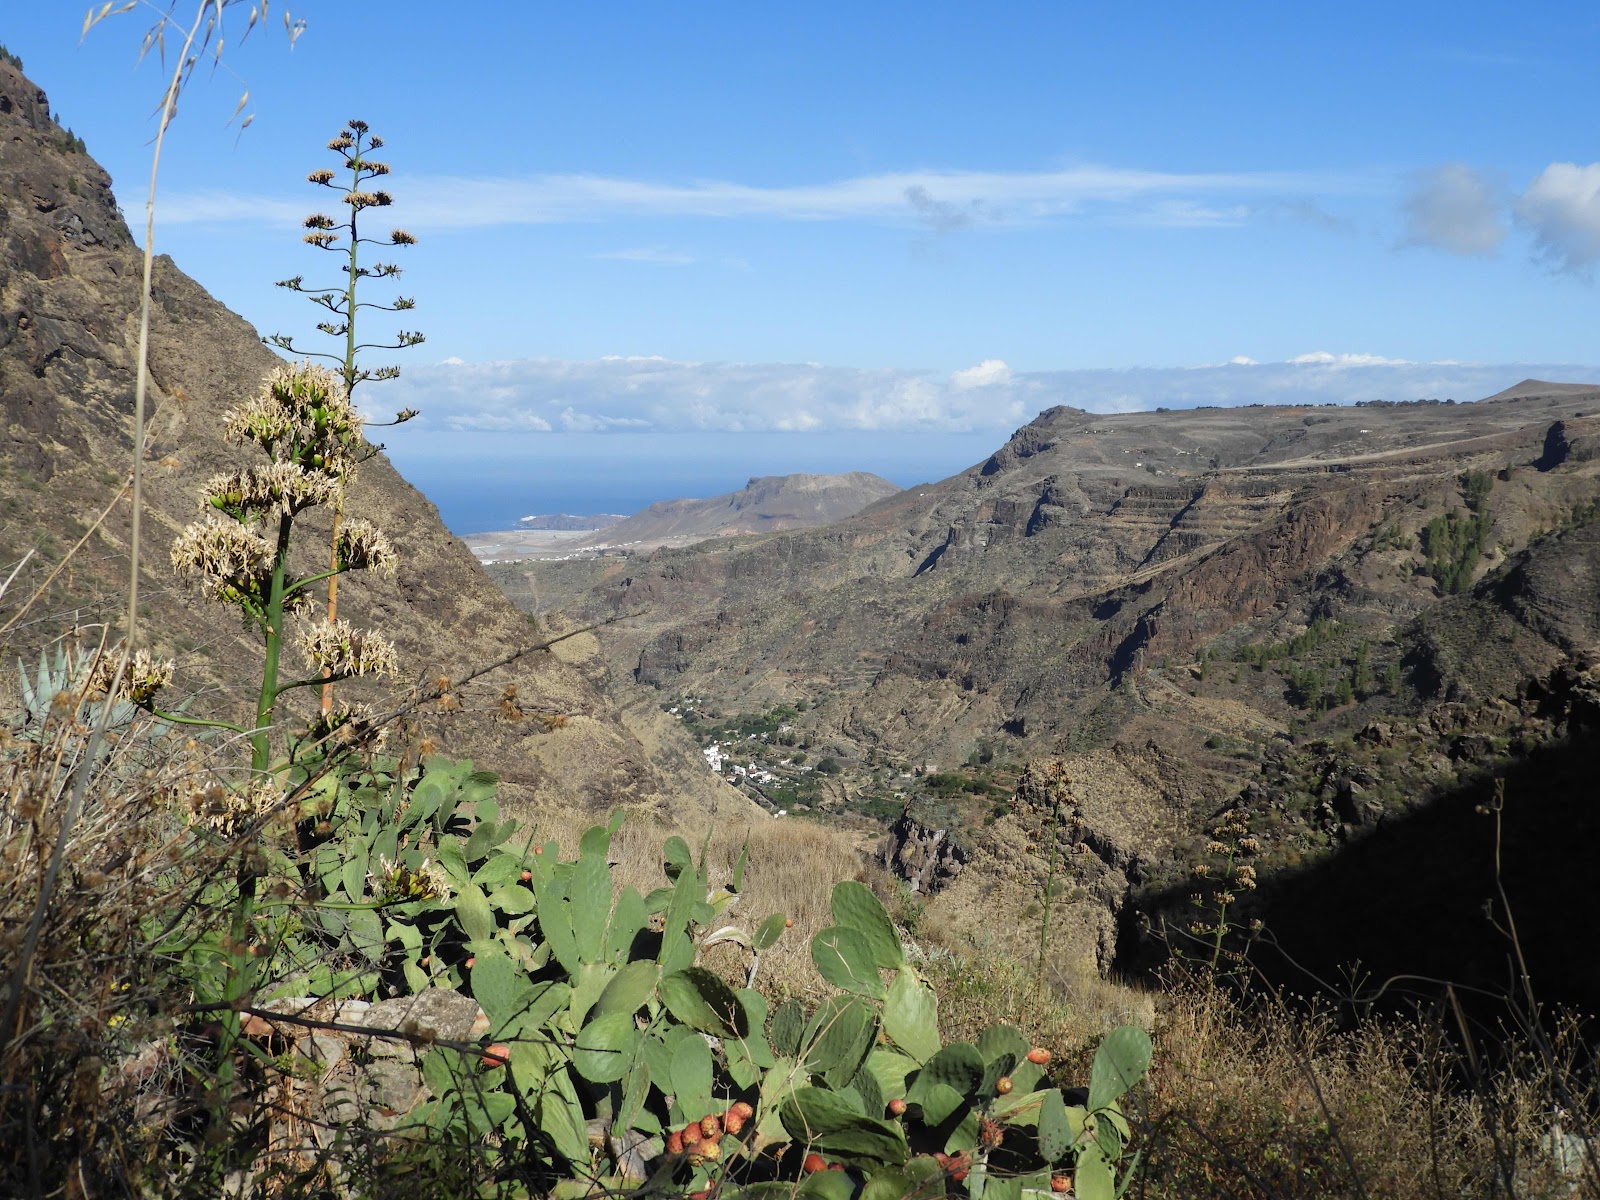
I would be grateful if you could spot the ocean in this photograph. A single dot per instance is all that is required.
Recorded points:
(483, 481)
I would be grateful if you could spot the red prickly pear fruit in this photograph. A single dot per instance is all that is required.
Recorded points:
(742, 1109)
(1003, 1085)
(691, 1134)
(710, 1127)
(1060, 1183)
(497, 1055)
(1039, 1056)
(897, 1107)
(674, 1142)
(813, 1163)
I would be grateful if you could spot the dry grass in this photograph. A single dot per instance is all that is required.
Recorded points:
(792, 869)
(1276, 1102)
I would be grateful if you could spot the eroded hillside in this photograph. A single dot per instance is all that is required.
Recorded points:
(1049, 596)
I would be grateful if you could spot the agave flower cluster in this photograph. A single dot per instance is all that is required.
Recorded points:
(239, 550)
(342, 650)
(228, 812)
(146, 675)
(303, 417)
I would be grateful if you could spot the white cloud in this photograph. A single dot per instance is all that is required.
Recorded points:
(942, 199)
(649, 393)
(1187, 214)
(1562, 209)
(1322, 358)
(989, 371)
(214, 207)
(1241, 360)
(652, 255)
(1456, 208)
(574, 421)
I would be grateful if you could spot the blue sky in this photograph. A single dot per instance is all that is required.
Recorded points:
(938, 218)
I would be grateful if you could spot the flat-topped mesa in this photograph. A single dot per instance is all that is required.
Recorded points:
(767, 504)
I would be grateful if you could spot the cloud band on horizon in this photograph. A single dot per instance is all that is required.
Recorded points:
(654, 394)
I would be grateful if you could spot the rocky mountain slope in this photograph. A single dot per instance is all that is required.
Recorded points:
(1032, 600)
(1318, 617)
(69, 282)
(767, 504)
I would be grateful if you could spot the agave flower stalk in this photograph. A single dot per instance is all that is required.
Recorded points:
(358, 171)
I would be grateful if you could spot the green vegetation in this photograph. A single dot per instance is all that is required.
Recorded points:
(1388, 537)
(1320, 632)
(949, 784)
(1476, 486)
(1452, 544)
(7, 57)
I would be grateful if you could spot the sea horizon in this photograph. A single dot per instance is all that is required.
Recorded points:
(484, 482)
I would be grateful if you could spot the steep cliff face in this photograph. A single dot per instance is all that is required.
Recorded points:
(69, 283)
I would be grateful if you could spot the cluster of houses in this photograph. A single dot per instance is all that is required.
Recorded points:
(719, 763)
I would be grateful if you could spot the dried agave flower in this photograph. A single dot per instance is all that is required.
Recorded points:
(229, 813)
(344, 651)
(234, 561)
(363, 546)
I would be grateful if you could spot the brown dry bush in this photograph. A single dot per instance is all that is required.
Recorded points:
(89, 1060)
